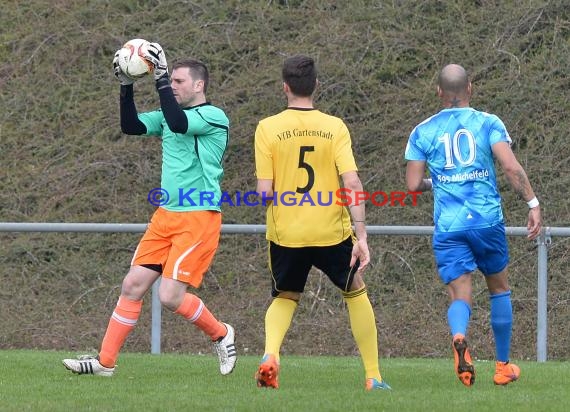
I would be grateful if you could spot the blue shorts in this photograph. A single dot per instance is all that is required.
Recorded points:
(457, 253)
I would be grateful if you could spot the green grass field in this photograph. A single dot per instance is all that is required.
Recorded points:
(37, 381)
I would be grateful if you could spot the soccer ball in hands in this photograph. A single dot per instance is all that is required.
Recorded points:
(132, 61)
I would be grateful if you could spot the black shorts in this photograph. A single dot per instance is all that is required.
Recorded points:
(290, 266)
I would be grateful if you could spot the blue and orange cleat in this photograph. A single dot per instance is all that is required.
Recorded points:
(463, 365)
(267, 376)
(373, 384)
(506, 373)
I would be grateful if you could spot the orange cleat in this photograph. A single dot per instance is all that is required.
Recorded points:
(506, 373)
(267, 375)
(463, 364)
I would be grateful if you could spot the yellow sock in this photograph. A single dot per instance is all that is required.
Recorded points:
(363, 325)
(277, 322)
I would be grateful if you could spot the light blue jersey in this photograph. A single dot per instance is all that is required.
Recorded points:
(456, 145)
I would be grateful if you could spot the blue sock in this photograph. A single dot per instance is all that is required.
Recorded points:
(458, 315)
(502, 323)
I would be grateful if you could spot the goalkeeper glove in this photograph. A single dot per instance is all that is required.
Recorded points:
(123, 78)
(156, 56)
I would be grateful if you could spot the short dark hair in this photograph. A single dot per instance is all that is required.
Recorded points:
(300, 74)
(198, 70)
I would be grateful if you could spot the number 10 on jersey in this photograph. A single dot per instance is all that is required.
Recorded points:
(453, 151)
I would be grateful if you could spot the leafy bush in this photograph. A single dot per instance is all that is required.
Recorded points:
(65, 159)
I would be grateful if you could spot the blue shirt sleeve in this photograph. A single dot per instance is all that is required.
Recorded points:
(413, 151)
(498, 131)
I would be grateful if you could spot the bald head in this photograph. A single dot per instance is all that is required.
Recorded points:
(454, 86)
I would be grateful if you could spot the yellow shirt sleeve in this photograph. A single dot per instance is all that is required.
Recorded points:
(263, 156)
(344, 157)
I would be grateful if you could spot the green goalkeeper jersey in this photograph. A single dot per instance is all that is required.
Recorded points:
(192, 162)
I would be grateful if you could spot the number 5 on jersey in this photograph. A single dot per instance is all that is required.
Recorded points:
(304, 165)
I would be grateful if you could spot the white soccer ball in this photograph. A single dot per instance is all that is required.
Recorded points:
(131, 59)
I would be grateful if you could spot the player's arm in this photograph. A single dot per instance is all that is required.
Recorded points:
(351, 181)
(265, 187)
(513, 170)
(130, 123)
(518, 180)
(415, 172)
(360, 250)
(263, 164)
(173, 114)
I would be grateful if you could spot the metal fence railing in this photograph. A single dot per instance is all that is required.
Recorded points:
(542, 246)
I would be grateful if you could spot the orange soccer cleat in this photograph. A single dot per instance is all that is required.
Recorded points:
(506, 373)
(267, 375)
(463, 364)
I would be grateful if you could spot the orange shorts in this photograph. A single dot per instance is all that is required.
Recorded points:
(183, 243)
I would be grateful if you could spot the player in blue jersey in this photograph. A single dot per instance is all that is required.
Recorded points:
(458, 145)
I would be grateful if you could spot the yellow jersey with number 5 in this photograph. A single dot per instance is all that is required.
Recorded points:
(304, 152)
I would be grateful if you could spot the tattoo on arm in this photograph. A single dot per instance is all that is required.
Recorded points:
(521, 184)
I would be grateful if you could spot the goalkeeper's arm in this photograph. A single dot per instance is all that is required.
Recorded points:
(173, 114)
(130, 122)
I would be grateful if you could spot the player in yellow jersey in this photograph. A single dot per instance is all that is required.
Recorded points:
(299, 155)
